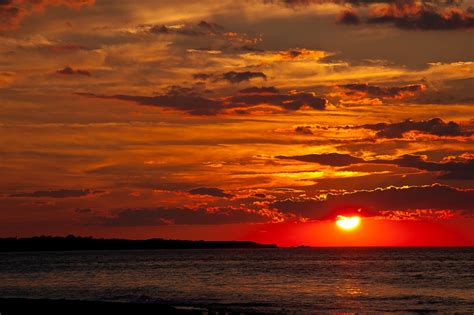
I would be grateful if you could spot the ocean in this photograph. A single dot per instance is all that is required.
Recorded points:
(282, 280)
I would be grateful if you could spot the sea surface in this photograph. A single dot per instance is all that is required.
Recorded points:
(281, 280)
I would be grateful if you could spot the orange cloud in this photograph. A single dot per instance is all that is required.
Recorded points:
(368, 94)
(420, 16)
(70, 71)
(382, 201)
(6, 78)
(12, 12)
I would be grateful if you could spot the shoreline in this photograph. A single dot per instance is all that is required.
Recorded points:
(46, 251)
(14, 306)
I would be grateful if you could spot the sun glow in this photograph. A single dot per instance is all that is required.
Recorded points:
(347, 223)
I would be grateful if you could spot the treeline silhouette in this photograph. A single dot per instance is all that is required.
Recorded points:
(71, 243)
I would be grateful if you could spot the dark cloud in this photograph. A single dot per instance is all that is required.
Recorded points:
(348, 17)
(176, 98)
(422, 18)
(458, 170)
(293, 53)
(70, 71)
(10, 16)
(304, 130)
(290, 101)
(332, 159)
(210, 25)
(190, 101)
(237, 77)
(12, 12)
(374, 202)
(215, 192)
(358, 3)
(251, 48)
(83, 210)
(454, 91)
(202, 28)
(202, 76)
(455, 169)
(178, 216)
(65, 48)
(62, 193)
(381, 91)
(303, 3)
(435, 126)
(231, 76)
(404, 14)
(194, 105)
(259, 90)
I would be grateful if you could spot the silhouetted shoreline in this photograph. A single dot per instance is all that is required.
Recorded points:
(15, 306)
(72, 243)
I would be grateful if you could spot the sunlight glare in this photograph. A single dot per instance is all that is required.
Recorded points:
(347, 223)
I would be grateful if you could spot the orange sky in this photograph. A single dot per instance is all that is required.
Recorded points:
(258, 120)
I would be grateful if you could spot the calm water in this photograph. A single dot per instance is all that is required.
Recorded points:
(267, 280)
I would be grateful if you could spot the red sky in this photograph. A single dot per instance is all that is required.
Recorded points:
(256, 120)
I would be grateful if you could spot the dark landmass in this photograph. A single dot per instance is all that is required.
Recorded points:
(61, 307)
(71, 243)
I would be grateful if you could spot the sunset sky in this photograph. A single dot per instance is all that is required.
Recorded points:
(238, 120)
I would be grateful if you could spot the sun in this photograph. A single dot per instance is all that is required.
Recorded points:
(347, 223)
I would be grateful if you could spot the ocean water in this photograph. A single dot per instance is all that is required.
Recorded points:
(263, 280)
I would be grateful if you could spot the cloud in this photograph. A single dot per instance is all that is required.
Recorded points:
(12, 12)
(83, 210)
(191, 102)
(422, 17)
(304, 3)
(6, 78)
(237, 77)
(304, 130)
(452, 170)
(42, 4)
(202, 28)
(462, 169)
(358, 3)
(176, 98)
(404, 14)
(259, 90)
(70, 71)
(348, 18)
(377, 202)
(62, 193)
(359, 90)
(65, 48)
(215, 192)
(294, 54)
(209, 34)
(178, 216)
(434, 126)
(399, 130)
(291, 101)
(10, 16)
(201, 76)
(231, 76)
(331, 159)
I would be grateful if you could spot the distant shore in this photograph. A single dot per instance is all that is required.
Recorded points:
(72, 243)
(19, 306)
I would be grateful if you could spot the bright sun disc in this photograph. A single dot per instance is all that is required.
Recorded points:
(347, 223)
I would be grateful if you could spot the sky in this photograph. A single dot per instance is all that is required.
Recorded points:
(257, 120)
